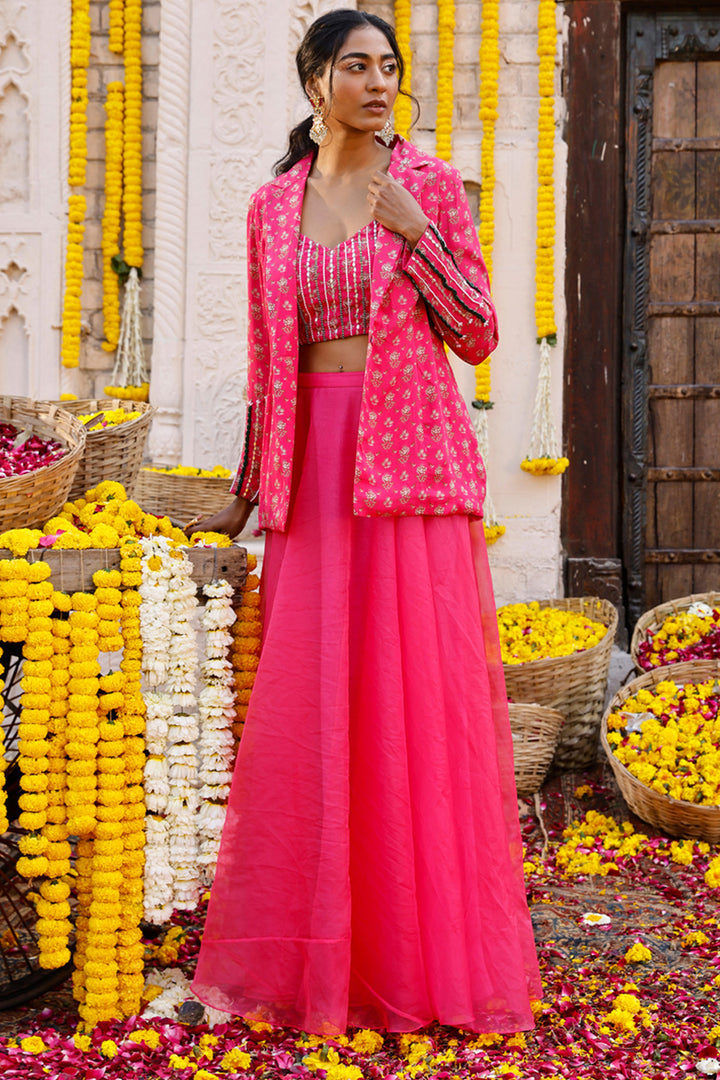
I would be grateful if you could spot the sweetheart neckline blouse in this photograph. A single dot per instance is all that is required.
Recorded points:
(334, 286)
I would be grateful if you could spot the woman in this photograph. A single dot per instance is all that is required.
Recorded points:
(370, 872)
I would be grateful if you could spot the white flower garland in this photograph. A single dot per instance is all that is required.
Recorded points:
(154, 612)
(156, 633)
(183, 730)
(172, 879)
(217, 711)
(185, 804)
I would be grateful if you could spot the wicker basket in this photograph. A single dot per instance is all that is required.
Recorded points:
(28, 501)
(653, 619)
(113, 453)
(575, 685)
(673, 816)
(181, 497)
(535, 730)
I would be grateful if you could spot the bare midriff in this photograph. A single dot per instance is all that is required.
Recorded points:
(344, 354)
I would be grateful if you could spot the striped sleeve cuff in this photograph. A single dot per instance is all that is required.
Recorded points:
(246, 482)
(433, 269)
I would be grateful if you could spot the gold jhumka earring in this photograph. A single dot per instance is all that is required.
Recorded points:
(387, 133)
(319, 129)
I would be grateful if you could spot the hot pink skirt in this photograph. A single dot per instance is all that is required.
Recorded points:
(370, 872)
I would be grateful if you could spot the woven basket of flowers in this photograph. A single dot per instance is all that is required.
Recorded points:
(677, 632)
(40, 450)
(572, 639)
(660, 737)
(183, 493)
(116, 435)
(535, 730)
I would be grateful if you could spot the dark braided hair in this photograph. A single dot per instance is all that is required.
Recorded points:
(320, 47)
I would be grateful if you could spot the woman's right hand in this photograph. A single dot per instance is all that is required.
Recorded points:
(231, 521)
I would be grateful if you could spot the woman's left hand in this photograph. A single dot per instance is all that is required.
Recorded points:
(395, 208)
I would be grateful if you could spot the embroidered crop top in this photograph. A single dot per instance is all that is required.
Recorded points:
(334, 287)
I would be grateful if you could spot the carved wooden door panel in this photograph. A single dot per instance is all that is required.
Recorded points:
(671, 376)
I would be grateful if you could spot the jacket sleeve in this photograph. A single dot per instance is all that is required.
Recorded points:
(447, 268)
(246, 482)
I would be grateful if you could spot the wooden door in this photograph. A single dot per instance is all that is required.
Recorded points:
(671, 377)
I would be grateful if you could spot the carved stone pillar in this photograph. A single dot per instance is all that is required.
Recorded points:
(171, 232)
(32, 123)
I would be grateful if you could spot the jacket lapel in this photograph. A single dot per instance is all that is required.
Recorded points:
(283, 209)
(407, 166)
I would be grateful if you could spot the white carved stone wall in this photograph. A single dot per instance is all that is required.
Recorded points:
(31, 197)
(227, 99)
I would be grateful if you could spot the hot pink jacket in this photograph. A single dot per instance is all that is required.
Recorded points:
(416, 451)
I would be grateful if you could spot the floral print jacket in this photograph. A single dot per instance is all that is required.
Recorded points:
(416, 450)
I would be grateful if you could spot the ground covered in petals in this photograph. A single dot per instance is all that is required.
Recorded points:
(628, 937)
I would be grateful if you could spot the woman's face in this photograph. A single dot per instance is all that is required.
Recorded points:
(364, 82)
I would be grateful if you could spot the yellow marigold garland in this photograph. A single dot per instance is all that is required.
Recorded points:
(129, 393)
(544, 457)
(53, 925)
(113, 207)
(403, 104)
(245, 649)
(72, 308)
(489, 77)
(79, 60)
(132, 135)
(116, 31)
(545, 240)
(132, 715)
(446, 69)
(33, 727)
(82, 717)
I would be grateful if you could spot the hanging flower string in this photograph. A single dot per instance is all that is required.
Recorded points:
(403, 104)
(113, 207)
(245, 653)
(172, 879)
(79, 60)
(489, 76)
(130, 376)
(217, 712)
(116, 30)
(132, 135)
(155, 634)
(544, 456)
(183, 733)
(446, 68)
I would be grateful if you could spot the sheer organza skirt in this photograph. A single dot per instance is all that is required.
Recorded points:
(370, 872)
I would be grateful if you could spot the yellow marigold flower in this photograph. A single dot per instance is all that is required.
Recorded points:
(32, 1044)
(235, 1060)
(697, 937)
(366, 1042)
(82, 1042)
(637, 954)
(175, 1061)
